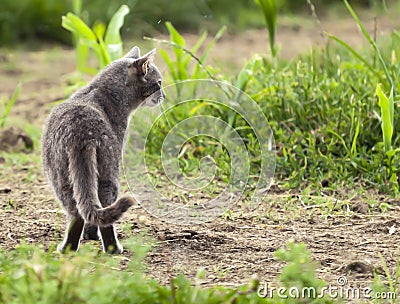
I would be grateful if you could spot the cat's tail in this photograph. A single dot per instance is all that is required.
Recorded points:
(84, 178)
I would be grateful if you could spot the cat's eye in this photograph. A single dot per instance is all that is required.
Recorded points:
(159, 83)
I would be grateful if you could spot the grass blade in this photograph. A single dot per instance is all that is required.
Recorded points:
(352, 51)
(104, 55)
(209, 47)
(353, 149)
(371, 41)
(10, 104)
(177, 39)
(387, 107)
(270, 10)
(169, 64)
(194, 49)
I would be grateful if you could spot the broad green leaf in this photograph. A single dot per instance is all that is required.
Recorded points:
(99, 29)
(113, 38)
(176, 38)
(387, 107)
(391, 153)
(270, 10)
(75, 24)
(169, 63)
(194, 49)
(82, 54)
(105, 59)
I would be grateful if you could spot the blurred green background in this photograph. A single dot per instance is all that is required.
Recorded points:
(27, 20)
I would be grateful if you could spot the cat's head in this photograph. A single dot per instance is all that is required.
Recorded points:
(133, 79)
(144, 77)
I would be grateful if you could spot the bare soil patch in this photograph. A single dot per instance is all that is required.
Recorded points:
(343, 242)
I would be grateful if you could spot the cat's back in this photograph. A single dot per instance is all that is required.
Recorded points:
(76, 120)
(72, 125)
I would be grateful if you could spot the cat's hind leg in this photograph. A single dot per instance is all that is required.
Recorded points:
(72, 235)
(108, 193)
(110, 240)
(91, 232)
(75, 222)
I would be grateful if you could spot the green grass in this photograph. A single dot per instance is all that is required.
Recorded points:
(31, 275)
(323, 110)
(324, 114)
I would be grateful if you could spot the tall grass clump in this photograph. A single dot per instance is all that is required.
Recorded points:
(387, 73)
(323, 112)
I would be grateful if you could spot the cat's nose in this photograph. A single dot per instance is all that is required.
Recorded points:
(163, 93)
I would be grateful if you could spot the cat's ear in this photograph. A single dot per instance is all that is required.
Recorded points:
(142, 62)
(133, 53)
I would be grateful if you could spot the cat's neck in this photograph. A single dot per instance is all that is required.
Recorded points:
(117, 108)
(115, 105)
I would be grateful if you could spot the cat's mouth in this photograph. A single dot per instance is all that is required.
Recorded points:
(153, 100)
(160, 99)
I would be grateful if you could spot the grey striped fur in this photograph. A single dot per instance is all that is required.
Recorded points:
(82, 146)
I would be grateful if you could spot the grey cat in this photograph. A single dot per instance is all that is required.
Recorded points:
(82, 147)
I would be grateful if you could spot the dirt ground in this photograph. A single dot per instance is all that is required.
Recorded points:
(348, 239)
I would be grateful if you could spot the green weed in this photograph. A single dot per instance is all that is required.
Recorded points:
(389, 289)
(319, 108)
(387, 116)
(7, 104)
(270, 11)
(179, 68)
(104, 40)
(300, 272)
(372, 42)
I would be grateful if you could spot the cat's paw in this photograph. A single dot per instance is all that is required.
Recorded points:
(114, 249)
(65, 247)
(61, 248)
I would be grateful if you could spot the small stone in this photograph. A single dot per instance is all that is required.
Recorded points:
(142, 219)
(5, 190)
(360, 207)
(15, 139)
